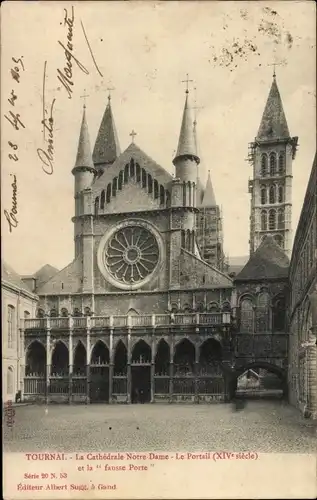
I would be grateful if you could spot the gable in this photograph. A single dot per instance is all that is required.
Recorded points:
(131, 198)
(66, 281)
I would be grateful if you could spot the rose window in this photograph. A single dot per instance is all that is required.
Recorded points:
(131, 254)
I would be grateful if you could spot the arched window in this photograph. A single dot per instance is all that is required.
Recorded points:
(150, 184)
(53, 313)
(167, 198)
(263, 165)
(272, 194)
(272, 219)
(278, 314)
(10, 380)
(263, 195)
(120, 180)
(262, 312)
(97, 205)
(280, 219)
(272, 164)
(108, 195)
(281, 164)
(162, 195)
(280, 194)
(279, 240)
(126, 173)
(11, 325)
(246, 316)
(132, 169)
(114, 186)
(102, 200)
(138, 173)
(143, 178)
(263, 221)
(156, 190)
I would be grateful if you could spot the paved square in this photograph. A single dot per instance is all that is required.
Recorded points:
(263, 426)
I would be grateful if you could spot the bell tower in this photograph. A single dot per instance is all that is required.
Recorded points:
(271, 156)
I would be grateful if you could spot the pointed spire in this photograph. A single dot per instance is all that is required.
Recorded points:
(84, 158)
(107, 148)
(209, 199)
(273, 123)
(187, 141)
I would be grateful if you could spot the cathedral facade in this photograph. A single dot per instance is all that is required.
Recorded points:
(148, 310)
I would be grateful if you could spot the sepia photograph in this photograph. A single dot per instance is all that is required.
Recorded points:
(159, 249)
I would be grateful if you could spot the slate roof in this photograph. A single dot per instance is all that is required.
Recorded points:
(84, 157)
(133, 151)
(273, 124)
(209, 199)
(107, 147)
(9, 275)
(187, 143)
(44, 274)
(269, 261)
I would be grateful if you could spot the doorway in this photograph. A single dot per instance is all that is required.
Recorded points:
(141, 384)
(99, 384)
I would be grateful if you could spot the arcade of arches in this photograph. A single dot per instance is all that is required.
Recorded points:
(146, 372)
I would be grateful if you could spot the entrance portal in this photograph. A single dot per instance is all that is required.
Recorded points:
(99, 384)
(141, 384)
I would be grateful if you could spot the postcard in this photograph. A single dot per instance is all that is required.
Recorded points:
(159, 229)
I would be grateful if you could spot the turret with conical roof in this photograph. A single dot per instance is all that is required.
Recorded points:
(186, 159)
(271, 156)
(107, 148)
(209, 199)
(84, 170)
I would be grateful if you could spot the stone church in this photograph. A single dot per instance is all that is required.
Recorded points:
(149, 309)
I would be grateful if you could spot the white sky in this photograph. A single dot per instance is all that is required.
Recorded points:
(144, 49)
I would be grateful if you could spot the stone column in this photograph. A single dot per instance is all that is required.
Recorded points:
(70, 362)
(129, 367)
(196, 368)
(312, 359)
(48, 359)
(153, 361)
(88, 368)
(111, 365)
(171, 374)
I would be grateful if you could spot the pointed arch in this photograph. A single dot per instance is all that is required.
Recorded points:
(144, 178)
(102, 200)
(187, 309)
(80, 359)
(150, 184)
(210, 356)
(156, 189)
(272, 164)
(263, 195)
(162, 195)
(108, 194)
(162, 358)
(262, 318)
(99, 354)
(280, 218)
(132, 168)
(138, 173)
(132, 312)
(53, 313)
(272, 219)
(60, 359)
(263, 165)
(184, 357)
(126, 174)
(35, 359)
(246, 315)
(114, 186)
(141, 352)
(278, 313)
(281, 164)
(280, 194)
(184, 193)
(272, 194)
(263, 220)
(97, 205)
(213, 307)
(120, 359)
(120, 180)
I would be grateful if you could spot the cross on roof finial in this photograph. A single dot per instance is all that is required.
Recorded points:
(84, 97)
(187, 81)
(133, 134)
(274, 67)
(109, 90)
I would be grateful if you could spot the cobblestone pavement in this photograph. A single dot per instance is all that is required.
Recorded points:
(263, 426)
